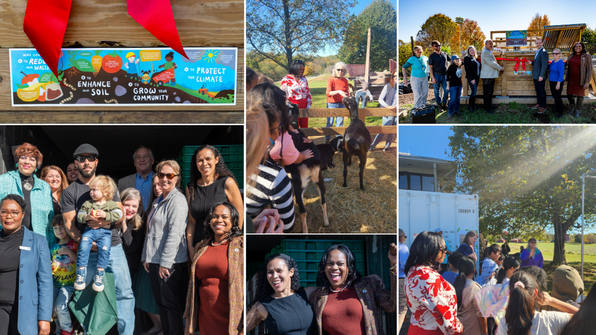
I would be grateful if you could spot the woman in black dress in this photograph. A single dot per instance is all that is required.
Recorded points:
(281, 303)
(210, 183)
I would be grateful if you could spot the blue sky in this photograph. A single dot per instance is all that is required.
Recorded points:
(427, 141)
(494, 15)
(332, 49)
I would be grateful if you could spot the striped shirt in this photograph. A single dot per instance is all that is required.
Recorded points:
(273, 188)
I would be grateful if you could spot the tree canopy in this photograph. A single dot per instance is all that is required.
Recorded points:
(527, 178)
(471, 34)
(438, 27)
(381, 17)
(589, 39)
(538, 22)
(289, 27)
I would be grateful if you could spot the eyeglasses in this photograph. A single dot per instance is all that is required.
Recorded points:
(82, 158)
(556, 53)
(170, 176)
(340, 70)
(438, 45)
(278, 128)
(443, 249)
(27, 158)
(14, 214)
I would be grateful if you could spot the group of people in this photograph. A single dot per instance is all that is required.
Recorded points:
(344, 301)
(60, 233)
(445, 73)
(296, 90)
(506, 297)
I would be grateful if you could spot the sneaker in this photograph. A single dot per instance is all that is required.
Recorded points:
(385, 149)
(458, 113)
(490, 111)
(79, 284)
(535, 106)
(450, 117)
(541, 110)
(98, 281)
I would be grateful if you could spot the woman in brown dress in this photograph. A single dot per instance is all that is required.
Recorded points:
(579, 73)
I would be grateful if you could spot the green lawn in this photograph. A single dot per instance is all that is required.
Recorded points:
(318, 86)
(573, 255)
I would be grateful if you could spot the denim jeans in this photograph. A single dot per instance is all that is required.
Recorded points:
(387, 121)
(125, 300)
(61, 298)
(474, 89)
(441, 82)
(361, 95)
(540, 87)
(420, 89)
(340, 119)
(454, 95)
(103, 238)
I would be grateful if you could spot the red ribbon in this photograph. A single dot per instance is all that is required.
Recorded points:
(46, 20)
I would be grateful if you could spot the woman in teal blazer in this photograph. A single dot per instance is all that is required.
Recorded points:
(26, 271)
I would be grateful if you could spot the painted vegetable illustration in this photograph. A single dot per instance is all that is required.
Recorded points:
(96, 61)
(31, 93)
(29, 79)
(111, 63)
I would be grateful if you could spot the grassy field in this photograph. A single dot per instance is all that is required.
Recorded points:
(573, 255)
(318, 86)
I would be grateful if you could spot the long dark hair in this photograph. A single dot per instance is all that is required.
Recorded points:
(264, 289)
(466, 267)
(353, 274)
(424, 250)
(234, 216)
(584, 321)
(509, 263)
(221, 170)
(274, 103)
(520, 310)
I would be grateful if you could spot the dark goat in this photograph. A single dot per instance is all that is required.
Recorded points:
(356, 140)
(327, 151)
(302, 173)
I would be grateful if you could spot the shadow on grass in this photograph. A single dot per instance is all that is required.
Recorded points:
(511, 113)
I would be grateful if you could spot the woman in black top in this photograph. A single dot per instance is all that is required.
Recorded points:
(472, 66)
(281, 303)
(454, 85)
(210, 183)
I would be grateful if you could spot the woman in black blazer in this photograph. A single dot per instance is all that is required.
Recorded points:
(472, 66)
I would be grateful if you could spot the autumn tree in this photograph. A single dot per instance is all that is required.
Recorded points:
(289, 27)
(471, 34)
(381, 17)
(527, 178)
(538, 22)
(437, 27)
(589, 39)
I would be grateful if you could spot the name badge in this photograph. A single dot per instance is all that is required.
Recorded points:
(22, 247)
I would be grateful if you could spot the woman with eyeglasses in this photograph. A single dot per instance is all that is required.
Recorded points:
(296, 88)
(579, 74)
(555, 78)
(210, 183)
(26, 284)
(432, 300)
(36, 192)
(388, 99)
(418, 76)
(337, 89)
(165, 251)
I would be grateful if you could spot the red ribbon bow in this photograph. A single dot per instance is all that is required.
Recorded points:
(46, 20)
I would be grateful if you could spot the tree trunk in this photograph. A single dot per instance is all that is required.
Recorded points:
(288, 34)
(559, 257)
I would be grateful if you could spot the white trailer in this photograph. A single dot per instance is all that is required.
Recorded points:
(455, 214)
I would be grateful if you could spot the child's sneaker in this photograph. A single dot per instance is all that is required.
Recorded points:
(79, 284)
(98, 281)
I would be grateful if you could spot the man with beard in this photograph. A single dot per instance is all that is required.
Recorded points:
(143, 179)
(73, 197)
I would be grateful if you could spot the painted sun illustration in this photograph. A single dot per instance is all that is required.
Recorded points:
(210, 55)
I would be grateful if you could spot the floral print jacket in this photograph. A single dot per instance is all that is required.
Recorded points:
(296, 89)
(432, 301)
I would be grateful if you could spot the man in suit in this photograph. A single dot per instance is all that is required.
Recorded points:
(539, 67)
(143, 178)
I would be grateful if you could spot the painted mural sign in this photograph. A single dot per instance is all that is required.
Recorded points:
(153, 76)
(516, 38)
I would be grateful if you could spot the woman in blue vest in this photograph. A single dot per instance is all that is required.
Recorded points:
(36, 192)
(26, 287)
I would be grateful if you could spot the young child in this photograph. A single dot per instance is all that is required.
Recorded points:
(63, 254)
(453, 272)
(363, 93)
(454, 85)
(489, 264)
(101, 207)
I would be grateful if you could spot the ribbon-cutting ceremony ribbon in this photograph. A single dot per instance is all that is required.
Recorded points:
(46, 20)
